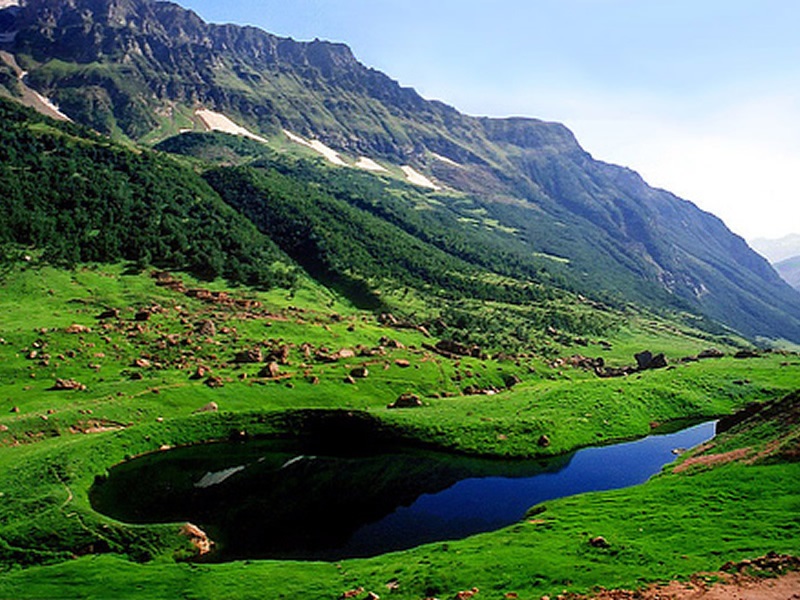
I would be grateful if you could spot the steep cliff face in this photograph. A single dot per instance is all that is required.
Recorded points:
(136, 67)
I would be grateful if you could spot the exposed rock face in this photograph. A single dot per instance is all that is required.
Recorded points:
(198, 538)
(647, 360)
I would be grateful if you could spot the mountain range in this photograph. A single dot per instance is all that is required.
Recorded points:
(512, 197)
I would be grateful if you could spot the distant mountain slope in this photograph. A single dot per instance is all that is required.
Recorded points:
(140, 69)
(789, 269)
(777, 250)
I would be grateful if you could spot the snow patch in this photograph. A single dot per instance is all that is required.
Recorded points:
(215, 121)
(369, 165)
(418, 178)
(50, 106)
(446, 160)
(329, 153)
(8, 3)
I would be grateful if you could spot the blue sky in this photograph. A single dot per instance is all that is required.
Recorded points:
(702, 97)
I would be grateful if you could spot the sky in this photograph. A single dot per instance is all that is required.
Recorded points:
(701, 97)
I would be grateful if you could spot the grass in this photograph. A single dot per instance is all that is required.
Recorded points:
(675, 525)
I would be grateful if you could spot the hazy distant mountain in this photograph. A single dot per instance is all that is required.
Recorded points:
(777, 250)
(139, 69)
(789, 269)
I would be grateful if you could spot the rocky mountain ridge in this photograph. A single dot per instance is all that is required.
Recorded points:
(140, 69)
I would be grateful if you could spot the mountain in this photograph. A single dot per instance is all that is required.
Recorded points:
(789, 269)
(777, 250)
(145, 71)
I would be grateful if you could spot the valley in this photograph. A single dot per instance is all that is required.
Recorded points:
(243, 259)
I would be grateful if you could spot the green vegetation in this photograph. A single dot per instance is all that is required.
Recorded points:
(74, 196)
(57, 442)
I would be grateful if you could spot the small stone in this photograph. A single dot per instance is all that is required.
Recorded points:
(599, 542)
(544, 441)
(359, 372)
(210, 407)
(402, 363)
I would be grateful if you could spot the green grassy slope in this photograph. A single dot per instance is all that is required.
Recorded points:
(48, 463)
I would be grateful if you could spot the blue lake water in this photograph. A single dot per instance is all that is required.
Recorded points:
(269, 499)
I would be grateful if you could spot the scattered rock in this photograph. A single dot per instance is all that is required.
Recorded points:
(67, 384)
(251, 356)
(206, 328)
(406, 401)
(372, 596)
(76, 328)
(466, 595)
(352, 593)
(746, 354)
(511, 380)
(599, 542)
(710, 353)
(142, 363)
(214, 382)
(111, 313)
(349, 380)
(345, 353)
(143, 315)
(402, 363)
(210, 407)
(359, 373)
(14, 409)
(647, 360)
(272, 370)
(198, 538)
(3, 428)
(452, 348)
(543, 441)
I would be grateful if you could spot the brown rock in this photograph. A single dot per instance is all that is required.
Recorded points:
(76, 328)
(349, 379)
(599, 542)
(253, 355)
(270, 370)
(214, 382)
(143, 315)
(402, 363)
(3, 428)
(206, 328)
(67, 384)
(200, 372)
(198, 538)
(210, 407)
(711, 353)
(111, 313)
(544, 441)
(142, 363)
(406, 401)
(359, 373)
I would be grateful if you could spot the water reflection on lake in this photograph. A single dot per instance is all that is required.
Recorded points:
(279, 499)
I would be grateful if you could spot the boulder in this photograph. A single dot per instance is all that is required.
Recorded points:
(251, 356)
(111, 313)
(67, 384)
(206, 328)
(544, 441)
(142, 363)
(402, 363)
(143, 315)
(210, 407)
(359, 373)
(76, 328)
(746, 354)
(647, 360)
(710, 353)
(272, 370)
(198, 538)
(511, 381)
(214, 382)
(599, 542)
(406, 401)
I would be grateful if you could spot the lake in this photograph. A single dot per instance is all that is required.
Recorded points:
(292, 500)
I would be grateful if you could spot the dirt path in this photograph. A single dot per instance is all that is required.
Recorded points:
(734, 583)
